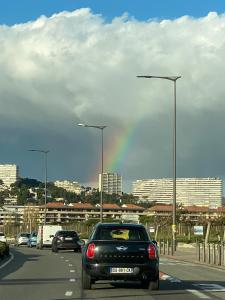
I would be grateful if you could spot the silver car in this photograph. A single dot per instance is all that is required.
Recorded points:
(2, 237)
(22, 238)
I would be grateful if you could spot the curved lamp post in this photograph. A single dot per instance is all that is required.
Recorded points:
(45, 152)
(100, 127)
(174, 80)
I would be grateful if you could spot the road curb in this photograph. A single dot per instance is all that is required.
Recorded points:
(11, 257)
(194, 262)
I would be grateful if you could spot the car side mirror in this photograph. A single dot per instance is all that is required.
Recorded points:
(81, 243)
(154, 242)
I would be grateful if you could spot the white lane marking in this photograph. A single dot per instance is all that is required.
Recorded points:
(170, 278)
(62, 257)
(72, 280)
(8, 261)
(70, 265)
(67, 260)
(72, 271)
(198, 294)
(210, 287)
(68, 293)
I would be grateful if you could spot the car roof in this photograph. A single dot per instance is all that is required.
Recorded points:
(127, 225)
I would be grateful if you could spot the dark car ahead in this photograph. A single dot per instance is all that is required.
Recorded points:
(66, 240)
(120, 252)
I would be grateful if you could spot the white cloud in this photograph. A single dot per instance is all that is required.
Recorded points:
(74, 66)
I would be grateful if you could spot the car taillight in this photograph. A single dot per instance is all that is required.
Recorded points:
(91, 250)
(151, 251)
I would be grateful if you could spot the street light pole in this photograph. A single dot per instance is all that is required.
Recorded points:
(46, 178)
(174, 80)
(102, 127)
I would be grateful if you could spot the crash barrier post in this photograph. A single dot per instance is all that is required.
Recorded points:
(213, 254)
(198, 251)
(203, 251)
(208, 253)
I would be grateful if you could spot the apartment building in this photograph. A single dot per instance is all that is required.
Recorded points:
(69, 186)
(112, 183)
(189, 191)
(9, 174)
(58, 212)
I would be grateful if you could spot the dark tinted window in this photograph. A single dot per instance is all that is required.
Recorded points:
(121, 233)
(25, 234)
(1, 234)
(34, 234)
(67, 234)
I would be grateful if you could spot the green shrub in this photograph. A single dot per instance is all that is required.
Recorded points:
(4, 249)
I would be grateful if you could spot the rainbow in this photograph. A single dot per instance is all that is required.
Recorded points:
(116, 150)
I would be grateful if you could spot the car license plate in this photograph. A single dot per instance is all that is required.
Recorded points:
(68, 239)
(121, 270)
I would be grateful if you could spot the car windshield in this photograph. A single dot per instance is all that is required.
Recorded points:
(121, 233)
(67, 234)
(34, 234)
(25, 235)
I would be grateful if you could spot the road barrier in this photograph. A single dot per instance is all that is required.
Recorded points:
(211, 253)
(165, 247)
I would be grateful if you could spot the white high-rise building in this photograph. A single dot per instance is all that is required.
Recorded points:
(69, 186)
(9, 174)
(189, 191)
(112, 183)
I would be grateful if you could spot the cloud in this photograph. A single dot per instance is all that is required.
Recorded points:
(73, 67)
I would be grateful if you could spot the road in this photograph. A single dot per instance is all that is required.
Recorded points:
(42, 275)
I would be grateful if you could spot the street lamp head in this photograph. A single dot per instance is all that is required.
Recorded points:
(172, 78)
(37, 150)
(92, 126)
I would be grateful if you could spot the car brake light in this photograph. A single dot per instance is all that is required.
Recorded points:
(151, 251)
(91, 250)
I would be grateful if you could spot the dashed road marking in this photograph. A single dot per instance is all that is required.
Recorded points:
(198, 294)
(72, 271)
(72, 279)
(70, 265)
(8, 261)
(62, 257)
(66, 260)
(68, 293)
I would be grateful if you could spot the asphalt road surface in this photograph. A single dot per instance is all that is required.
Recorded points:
(42, 275)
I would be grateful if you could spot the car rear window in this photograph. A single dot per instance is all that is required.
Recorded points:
(25, 234)
(2, 234)
(121, 233)
(67, 234)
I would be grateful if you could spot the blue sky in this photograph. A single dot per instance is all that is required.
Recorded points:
(13, 11)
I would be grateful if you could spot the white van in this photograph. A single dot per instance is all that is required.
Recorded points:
(46, 234)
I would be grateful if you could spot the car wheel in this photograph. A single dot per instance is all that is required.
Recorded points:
(154, 285)
(86, 280)
(150, 285)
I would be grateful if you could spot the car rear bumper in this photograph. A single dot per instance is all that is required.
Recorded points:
(140, 271)
(68, 246)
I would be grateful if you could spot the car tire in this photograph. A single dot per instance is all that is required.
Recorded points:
(150, 285)
(154, 285)
(86, 280)
(55, 249)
